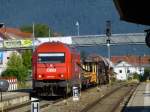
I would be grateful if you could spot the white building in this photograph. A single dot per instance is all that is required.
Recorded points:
(124, 70)
(4, 57)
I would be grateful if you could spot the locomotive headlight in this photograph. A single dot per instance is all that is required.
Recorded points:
(62, 75)
(40, 76)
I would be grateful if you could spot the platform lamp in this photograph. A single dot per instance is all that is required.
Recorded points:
(1, 25)
(147, 38)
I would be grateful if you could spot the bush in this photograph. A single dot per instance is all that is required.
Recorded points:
(146, 74)
(137, 76)
(21, 73)
(9, 72)
(129, 78)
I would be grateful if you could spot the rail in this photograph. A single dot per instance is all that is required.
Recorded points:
(115, 105)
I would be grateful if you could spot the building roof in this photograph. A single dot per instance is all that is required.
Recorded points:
(131, 59)
(13, 33)
(129, 38)
(122, 63)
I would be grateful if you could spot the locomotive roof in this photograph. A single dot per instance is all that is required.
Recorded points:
(71, 48)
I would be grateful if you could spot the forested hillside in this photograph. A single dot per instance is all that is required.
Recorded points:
(62, 15)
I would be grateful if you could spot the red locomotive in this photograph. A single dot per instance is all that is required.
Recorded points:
(55, 69)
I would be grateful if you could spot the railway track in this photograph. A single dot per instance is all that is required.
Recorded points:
(111, 101)
(89, 100)
(26, 106)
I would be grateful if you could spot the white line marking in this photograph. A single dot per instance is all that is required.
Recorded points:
(146, 97)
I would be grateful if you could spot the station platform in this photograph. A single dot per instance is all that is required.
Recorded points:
(140, 100)
(8, 99)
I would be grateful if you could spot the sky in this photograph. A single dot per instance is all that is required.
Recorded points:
(62, 15)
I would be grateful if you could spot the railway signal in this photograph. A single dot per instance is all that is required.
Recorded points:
(108, 34)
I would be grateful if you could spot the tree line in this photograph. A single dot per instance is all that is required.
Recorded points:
(40, 30)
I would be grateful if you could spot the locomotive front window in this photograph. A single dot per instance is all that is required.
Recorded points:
(51, 57)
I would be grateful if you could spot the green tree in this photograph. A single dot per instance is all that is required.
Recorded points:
(40, 30)
(14, 61)
(136, 76)
(146, 73)
(26, 57)
(16, 68)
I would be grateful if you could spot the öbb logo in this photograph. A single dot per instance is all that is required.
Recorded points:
(51, 70)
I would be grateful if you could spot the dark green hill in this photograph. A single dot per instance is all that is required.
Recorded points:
(62, 15)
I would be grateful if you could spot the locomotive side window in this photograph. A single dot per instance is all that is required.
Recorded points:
(51, 57)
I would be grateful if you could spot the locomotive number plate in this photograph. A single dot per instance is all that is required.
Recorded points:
(51, 70)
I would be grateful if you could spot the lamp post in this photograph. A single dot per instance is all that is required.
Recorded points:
(78, 28)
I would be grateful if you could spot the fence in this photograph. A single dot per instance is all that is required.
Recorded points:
(12, 83)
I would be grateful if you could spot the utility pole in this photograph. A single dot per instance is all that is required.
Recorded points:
(33, 34)
(49, 32)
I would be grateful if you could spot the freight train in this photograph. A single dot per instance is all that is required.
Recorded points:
(57, 67)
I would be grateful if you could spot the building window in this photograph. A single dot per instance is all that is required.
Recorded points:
(128, 71)
(1, 61)
(1, 57)
(120, 71)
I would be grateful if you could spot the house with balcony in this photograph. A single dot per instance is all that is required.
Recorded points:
(7, 34)
(125, 66)
(124, 70)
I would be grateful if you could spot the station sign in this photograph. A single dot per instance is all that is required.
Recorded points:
(1, 57)
(26, 43)
(1, 44)
(35, 106)
(76, 93)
